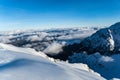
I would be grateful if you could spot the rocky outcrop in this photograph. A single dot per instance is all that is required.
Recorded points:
(106, 41)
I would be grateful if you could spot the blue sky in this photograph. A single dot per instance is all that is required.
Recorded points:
(34, 14)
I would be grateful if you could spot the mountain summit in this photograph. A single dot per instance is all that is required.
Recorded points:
(105, 41)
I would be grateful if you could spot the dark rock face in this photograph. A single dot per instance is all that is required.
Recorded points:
(106, 41)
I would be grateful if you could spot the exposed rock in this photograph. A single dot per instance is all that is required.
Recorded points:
(106, 41)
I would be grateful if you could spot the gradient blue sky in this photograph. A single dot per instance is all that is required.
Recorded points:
(28, 14)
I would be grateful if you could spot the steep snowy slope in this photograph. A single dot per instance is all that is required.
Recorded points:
(105, 41)
(26, 64)
(107, 66)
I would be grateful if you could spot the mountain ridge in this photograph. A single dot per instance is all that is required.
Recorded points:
(106, 41)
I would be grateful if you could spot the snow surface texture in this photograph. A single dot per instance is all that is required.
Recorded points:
(106, 41)
(26, 64)
(107, 66)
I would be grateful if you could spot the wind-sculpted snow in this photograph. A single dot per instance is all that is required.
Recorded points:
(23, 65)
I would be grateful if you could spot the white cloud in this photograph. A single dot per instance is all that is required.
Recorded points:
(106, 59)
(54, 48)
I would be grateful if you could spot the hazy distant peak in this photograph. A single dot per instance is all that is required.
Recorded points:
(116, 25)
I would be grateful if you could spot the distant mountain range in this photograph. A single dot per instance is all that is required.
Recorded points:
(46, 40)
(106, 41)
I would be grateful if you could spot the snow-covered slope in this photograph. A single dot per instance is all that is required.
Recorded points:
(105, 41)
(27, 64)
(107, 66)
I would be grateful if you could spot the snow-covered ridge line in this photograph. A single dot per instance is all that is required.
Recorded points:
(20, 65)
(22, 50)
(25, 50)
(106, 41)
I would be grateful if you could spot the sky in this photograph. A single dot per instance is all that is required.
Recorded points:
(42, 14)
